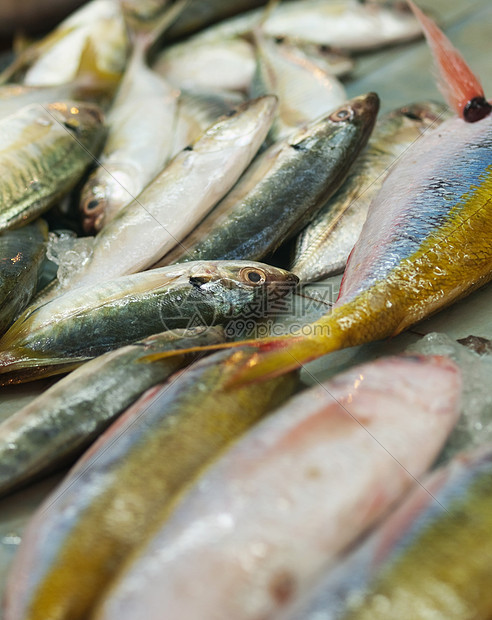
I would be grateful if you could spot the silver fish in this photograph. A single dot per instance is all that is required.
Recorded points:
(221, 65)
(55, 427)
(283, 188)
(348, 25)
(81, 324)
(179, 197)
(91, 41)
(44, 150)
(305, 92)
(324, 245)
(139, 143)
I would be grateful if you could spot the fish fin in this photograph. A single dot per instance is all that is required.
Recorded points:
(90, 74)
(155, 357)
(459, 85)
(146, 36)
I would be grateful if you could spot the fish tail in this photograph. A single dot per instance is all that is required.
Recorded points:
(276, 355)
(145, 37)
(459, 85)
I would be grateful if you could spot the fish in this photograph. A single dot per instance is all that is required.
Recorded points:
(144, 10)
(346, 25)
(432, 556)
(44, 150)
(414, 563)
(414, 256)
(459, 85)
(59, 335)
(290, 495)
(197, 111)
(13, 97)
(128, 483)
(329, 60)
(21, 256)
(283, 188)
(179, 197)
(139, 143)
(54, 429)
(305, 92)
(92, 41)
(322, 248)
(211, 66)
(202, 13)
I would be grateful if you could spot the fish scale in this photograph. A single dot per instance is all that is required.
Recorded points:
(43, 152)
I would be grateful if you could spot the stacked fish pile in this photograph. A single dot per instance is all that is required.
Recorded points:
(182, 142)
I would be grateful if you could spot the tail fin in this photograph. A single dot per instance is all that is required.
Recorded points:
(275, 356)
(460, 87)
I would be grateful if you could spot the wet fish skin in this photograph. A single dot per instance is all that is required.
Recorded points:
(44, 149)
(139, 142)
(313, 461)
(127, 485)
(283, 188)
(56, 427)
(21, 254)
(323, 247)
(60, 334)
(221, 65)
(16, 96)
(196, 112)
(304, 91)
(414, 255)
(435, 560)
(331, 61)
(91, 42)
(179, 197)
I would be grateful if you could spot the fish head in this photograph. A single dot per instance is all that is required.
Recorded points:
(107, 190)
(359, 112)
(85, 121)
(355, 117)
(239, 125)
(423, 114)
(223, 290)
(245, 275)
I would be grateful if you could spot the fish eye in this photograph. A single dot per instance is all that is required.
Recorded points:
(411, 115)
(344, 114)
(253, 276)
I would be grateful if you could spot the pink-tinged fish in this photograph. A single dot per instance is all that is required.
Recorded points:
(124, 487)
(429, 559)
(290, 495)
(427, 242)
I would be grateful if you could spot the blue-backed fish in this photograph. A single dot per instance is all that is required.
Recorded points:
(426, 243)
